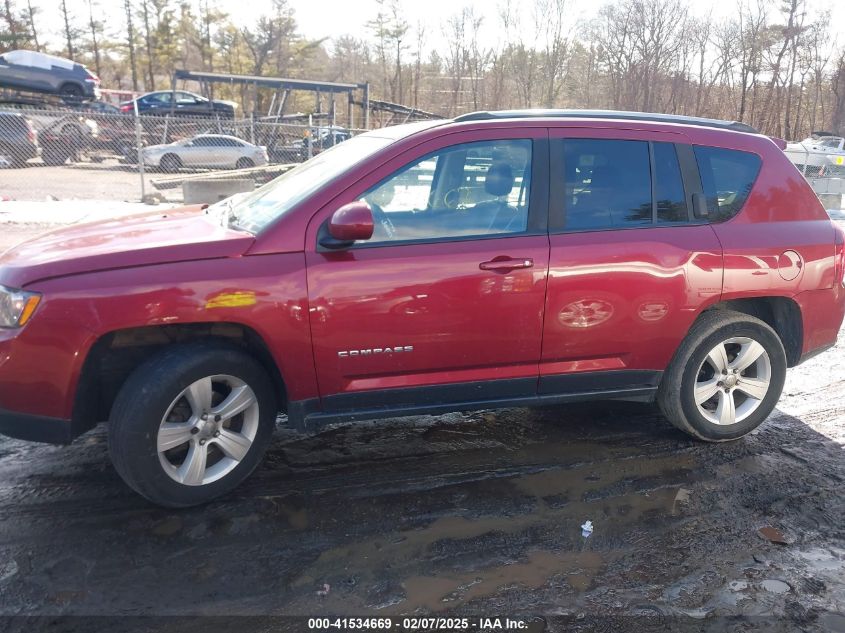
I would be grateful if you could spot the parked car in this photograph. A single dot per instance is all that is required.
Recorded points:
(179, 102)
(116, 137)
(59, 120)
(18, 140)
(63, 133)
(205, 150)
(312, 143)
(494, 260)
(39, 72)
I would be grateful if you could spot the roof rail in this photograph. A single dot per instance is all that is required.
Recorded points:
(736, 126)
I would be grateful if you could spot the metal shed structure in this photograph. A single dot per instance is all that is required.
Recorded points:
(282, 88)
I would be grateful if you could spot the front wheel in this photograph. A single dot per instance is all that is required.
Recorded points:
(170, 163)
(725, 378)
(192, 423)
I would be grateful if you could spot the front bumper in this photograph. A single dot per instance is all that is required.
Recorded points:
(40, 367)
(36, 428)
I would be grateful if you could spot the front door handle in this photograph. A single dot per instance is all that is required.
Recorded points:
(505, 264)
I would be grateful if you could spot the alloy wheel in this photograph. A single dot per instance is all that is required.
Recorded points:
(207, 430)
(732, 381)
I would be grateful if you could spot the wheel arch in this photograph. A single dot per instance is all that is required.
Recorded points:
(782, 314)
(116, 354)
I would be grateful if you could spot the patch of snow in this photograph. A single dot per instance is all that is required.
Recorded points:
(71, 211)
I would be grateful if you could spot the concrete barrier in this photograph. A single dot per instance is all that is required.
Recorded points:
(831, 200)
(211, 191)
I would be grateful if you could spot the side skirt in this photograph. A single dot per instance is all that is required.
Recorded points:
(630, 385)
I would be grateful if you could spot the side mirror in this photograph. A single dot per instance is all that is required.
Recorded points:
(352, 222)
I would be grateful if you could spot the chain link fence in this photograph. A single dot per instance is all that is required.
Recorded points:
(61, 154)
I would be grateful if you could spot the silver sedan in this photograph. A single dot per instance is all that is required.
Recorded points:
(206, 150)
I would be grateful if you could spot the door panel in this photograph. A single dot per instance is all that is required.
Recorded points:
(447, 320)
(624, 285)
(623, 299)
(451, 287)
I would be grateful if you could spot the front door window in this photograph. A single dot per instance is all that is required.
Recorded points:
(473, 189)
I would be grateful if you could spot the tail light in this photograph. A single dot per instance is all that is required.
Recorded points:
(839, 265)
(126, 107)
(30, 132)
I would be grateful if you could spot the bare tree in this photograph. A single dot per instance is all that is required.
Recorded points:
(752, 23)
(418, 56)
(475, 58)
(31, 15)
(10, 20)
(69, 34)
(555, 37)
(455, 32)
(148, 39)
(95, 27)
(837, 86)
(130, 39)
(390, 30)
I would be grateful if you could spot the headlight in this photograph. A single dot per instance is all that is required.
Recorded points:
(16, 306)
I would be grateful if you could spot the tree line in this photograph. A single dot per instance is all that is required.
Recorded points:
(772, 63)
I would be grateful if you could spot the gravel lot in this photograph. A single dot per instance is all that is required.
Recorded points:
(88, 181)
(475, 513)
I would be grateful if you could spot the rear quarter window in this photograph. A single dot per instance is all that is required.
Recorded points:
(727, 177)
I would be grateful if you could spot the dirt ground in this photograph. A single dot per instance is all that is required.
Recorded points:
(475, 514)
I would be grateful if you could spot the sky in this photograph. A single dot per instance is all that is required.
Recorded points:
(333, 18)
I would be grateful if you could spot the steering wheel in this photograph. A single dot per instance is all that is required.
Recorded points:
(384, 223)
(452, 199)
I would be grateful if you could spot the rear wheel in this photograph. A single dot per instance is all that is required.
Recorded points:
(191, 423)
(725, 378)
(170, 163)
(71, 91)
(244, 163)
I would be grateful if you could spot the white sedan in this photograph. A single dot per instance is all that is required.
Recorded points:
(205, 150)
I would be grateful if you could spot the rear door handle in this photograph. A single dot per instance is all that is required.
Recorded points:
(504, 264)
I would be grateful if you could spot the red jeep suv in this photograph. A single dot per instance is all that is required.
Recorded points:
(497, 259)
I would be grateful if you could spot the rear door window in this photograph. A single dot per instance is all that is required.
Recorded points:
(607, 184)
(727, 176)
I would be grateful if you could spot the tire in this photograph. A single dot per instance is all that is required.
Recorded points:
(244, 163)
(13, 156)
(71, 91)
(692, 368)
(170, 163)
(55, 156)
(155, 394)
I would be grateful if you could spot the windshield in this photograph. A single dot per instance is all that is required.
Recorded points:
(255, 211)
(832, 141)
